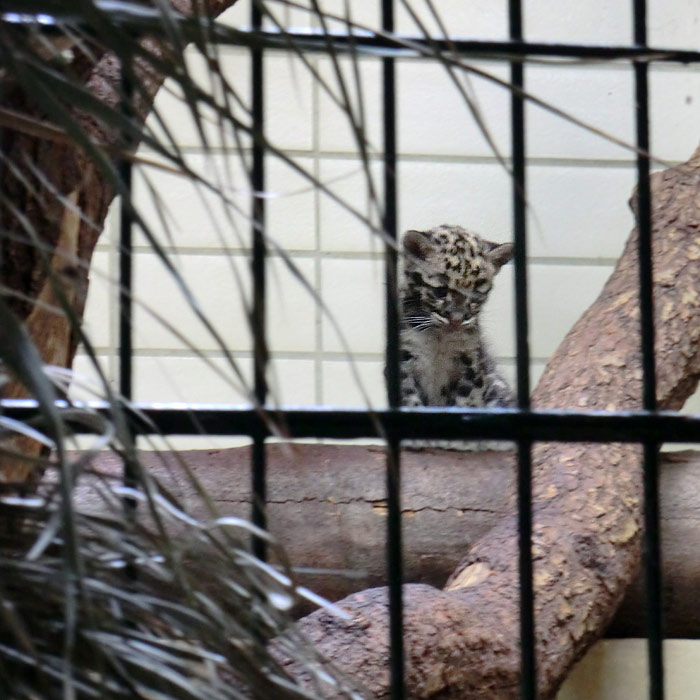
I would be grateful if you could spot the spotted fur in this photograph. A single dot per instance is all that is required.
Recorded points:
(448, 274)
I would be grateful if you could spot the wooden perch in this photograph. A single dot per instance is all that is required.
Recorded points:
(326, 504)
(462, 642)
(327, 507)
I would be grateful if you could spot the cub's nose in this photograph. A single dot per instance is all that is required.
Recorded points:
(456, 319)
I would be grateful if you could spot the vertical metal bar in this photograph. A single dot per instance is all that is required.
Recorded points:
(260, 353)
(125, 258)
(393, 466)
(129, 476)
(527, 615)
(652, 540)
(644, 212)
(2, 217)
(125, 285)
(390, 223)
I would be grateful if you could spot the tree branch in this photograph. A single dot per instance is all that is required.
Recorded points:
(462, 642)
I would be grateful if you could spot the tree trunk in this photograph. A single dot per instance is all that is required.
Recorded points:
(67, 171)
(463, 641)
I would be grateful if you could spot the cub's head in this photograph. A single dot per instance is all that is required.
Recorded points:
(448, 273)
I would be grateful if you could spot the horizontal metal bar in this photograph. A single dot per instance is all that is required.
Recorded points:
(413, 45)
(397, 46)
(403, 423)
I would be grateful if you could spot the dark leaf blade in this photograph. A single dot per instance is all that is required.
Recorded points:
(19, 354)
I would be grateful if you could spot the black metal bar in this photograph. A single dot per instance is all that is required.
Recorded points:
(393, 455)
(2, 179)
(260, 353)
(390, 222)
(130, 469)
(644, 218)
(652, 571)
(423, 423)
(394, 557)
(528, 679)
(652, 543)
(125, 262)
(398, 44)
(520, 222)
(413, 45)
(125, 288)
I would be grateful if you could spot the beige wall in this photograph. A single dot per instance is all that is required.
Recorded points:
(578, 186)
(615, 669)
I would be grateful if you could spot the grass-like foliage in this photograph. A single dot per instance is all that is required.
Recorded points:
(103, 601)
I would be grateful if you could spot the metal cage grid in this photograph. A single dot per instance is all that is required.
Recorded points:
(647, 426)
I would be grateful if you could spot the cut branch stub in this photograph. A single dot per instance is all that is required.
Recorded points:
(463, 642)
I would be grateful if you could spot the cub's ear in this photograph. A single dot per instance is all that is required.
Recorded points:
(417, 244)
(500, 254)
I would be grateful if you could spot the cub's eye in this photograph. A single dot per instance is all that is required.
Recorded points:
(440, 292)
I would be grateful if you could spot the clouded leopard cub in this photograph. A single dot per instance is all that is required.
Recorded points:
(448, 273)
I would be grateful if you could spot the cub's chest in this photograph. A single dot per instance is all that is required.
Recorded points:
(437, 358)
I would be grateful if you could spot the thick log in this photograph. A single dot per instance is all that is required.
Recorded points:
(326, 504)
(463, 641)
(680, 533)
(327, 507)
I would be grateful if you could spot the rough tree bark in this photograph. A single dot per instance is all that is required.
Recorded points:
(462, 642)
(332, 521)
(70, 173)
